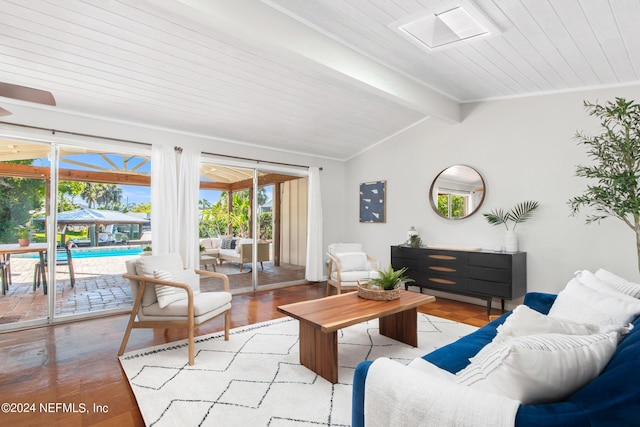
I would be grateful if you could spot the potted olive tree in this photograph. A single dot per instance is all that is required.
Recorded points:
(615, 172)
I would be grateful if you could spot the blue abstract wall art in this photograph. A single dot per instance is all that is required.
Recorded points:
(372, 201)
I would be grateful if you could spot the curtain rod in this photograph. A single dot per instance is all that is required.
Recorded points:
(54, 131)
(257, 161)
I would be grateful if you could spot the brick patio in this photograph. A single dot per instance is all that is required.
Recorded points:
(100, 286)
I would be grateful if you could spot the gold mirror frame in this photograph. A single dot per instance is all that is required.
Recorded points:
(457, 192)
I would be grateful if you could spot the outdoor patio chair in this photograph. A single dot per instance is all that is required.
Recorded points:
(168, 296)
(6, 274)
(63, 257)
(348, 263)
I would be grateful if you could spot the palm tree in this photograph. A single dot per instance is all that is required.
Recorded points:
(90, 193)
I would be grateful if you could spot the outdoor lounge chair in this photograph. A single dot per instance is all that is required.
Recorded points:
(168, 296)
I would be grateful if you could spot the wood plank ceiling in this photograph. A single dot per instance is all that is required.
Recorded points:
(327, 78)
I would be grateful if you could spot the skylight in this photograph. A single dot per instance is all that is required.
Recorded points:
(445, 28)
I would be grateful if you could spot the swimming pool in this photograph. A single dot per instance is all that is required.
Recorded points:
(101, 252)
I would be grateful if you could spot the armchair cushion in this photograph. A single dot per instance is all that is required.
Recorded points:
(349, 277)
(240, 242)
(335, 248)
(211, 246)
(145, 266)
(169, 294)
(352, 261)
(206, 306)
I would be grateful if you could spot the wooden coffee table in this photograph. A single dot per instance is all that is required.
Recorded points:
(321, 319)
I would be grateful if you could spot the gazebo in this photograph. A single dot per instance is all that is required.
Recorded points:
(94, 217)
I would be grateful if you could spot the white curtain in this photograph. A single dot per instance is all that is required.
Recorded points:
(315, 268)
(164, 194)
(188, 192)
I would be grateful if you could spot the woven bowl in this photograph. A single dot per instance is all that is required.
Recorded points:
(377, 294)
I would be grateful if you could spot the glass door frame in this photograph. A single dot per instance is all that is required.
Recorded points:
(256, 167)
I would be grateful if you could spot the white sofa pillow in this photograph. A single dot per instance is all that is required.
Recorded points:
(618, 283)
(576, 301)
(525, 321)
(352, 261)
(538, 369)
(589, 279)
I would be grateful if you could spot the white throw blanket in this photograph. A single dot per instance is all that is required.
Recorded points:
(397, 395)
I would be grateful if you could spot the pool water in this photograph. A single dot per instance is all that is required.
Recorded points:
(95, 252)
(104, 252)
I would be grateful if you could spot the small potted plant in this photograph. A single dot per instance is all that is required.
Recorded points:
(146, 251)
(386, 286)
(415, 241)
(24, 232)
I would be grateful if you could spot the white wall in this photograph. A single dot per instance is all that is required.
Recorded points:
(525, 150)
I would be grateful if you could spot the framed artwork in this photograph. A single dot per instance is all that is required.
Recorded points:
(372, 201)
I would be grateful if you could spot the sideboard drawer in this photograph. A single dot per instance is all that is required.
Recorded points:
(492, 260)
(491, 274)
(412, 265)
(446, 283)
(494, 289)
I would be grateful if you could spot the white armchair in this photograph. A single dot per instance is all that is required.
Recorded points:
(348, 263)
(168, 296)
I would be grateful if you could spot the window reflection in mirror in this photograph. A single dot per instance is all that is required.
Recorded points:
(457, 192)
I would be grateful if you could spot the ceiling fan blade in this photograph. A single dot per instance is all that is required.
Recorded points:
(28, 94)
(4, 112)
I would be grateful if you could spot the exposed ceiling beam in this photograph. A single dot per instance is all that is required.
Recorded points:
(257, 22)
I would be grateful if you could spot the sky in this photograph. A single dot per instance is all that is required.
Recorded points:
(131, 194)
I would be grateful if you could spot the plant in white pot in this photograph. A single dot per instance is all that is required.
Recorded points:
(519, 213)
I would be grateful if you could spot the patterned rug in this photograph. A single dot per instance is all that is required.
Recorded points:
(255, 378)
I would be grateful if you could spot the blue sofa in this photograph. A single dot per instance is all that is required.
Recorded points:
(612, 399)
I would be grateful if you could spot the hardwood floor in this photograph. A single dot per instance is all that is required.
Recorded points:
(69, 365)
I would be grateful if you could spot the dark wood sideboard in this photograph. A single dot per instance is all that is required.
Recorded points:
(479, 274)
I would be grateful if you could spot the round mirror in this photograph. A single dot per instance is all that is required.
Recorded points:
(457, 192)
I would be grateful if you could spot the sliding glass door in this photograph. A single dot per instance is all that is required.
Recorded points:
(70, 217)
(25, 177)
(251, 225)
(103, 220)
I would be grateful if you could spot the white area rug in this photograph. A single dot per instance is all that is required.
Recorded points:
(255, 378)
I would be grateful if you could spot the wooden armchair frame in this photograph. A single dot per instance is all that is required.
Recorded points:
(189, 323)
